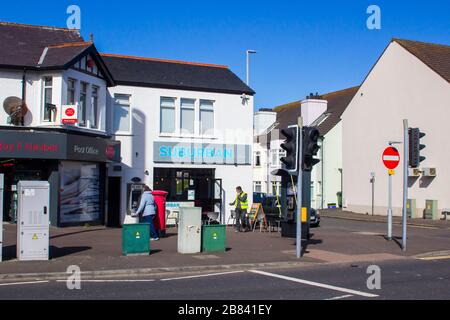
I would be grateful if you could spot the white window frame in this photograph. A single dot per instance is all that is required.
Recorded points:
(86, 105)
(96, 125)
(75, 84)
(43, 103)
(207, 108)
(258, 154)
(176, 116)
(179, 127)
(129, 110)
(257, 183)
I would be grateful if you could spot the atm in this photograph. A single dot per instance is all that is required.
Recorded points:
(134, 194)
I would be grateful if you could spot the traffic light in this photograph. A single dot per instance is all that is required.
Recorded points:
(290, 145)
(414, 147)
(310, 148)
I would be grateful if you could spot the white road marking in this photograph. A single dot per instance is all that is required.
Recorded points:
(115, 280)
(341, 297)
(21, 283)
(316, 284)
(203, 275)
(435, 258)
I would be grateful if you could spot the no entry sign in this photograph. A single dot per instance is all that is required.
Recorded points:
(391, 158)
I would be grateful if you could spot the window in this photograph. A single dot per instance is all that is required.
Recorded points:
(257, 186)
(276, 188)
(187, 116)
(94, 108)
(257, 159)
(167, 122)
(83, 106)
(71, 91)
(206, 117)
(276, 155)
(122, 119)
(48, 92)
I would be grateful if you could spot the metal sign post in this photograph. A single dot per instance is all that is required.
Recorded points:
(372, 181)
(390, 173)
(391, 159)
(405, 178)
(299, 188)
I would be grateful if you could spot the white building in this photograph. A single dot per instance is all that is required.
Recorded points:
(323, 112)
(43, 69)
(411, 80)
(185, 128)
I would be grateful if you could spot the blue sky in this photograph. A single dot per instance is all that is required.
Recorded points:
(303, 46)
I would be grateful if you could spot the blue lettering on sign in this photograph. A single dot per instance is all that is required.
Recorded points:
(189, 152)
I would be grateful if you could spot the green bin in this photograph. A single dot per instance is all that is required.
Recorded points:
(136, 239)
(213, 238)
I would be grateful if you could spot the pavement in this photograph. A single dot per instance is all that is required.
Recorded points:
(97, 251)
(348, 215)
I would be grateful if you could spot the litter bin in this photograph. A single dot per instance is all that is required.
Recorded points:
(213, 238)
(136, 239)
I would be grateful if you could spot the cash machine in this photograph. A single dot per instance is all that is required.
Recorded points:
(134, 193)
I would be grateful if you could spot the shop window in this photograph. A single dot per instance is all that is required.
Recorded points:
(206, 117)
(187, 116)
(80, 192)
(167, 121)
(122, 118)
(94, 108)
(47, 100)
(71, 83)
(83, 104)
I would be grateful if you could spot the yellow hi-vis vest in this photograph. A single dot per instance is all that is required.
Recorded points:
(244, 204)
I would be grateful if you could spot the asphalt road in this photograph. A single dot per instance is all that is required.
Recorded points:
(400, 279)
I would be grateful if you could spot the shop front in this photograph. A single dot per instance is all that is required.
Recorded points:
(201, 175)
(75, 165)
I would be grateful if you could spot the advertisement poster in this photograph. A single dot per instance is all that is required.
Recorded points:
(80, 192)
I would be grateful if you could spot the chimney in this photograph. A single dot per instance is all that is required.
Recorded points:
(312, 108)
(263, 119)
(91, 37)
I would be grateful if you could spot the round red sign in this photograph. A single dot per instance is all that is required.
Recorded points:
(110, 152)
(391, 158)
(70, 112)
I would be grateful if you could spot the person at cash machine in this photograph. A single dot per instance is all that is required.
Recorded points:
(241, 206)
(147, 208)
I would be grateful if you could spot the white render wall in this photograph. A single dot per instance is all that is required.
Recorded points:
(399, 87)
(330, 181)
(233, 125)
(11, 85)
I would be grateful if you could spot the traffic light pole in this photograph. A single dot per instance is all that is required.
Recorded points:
(405, 179)
(299, 188)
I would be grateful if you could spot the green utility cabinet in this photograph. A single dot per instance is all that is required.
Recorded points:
(431, 210)
(136, 239)
(411, 209)
(213, 238)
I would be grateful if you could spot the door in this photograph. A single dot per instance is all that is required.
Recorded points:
(114, 196)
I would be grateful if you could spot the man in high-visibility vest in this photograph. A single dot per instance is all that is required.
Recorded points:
(241, 206)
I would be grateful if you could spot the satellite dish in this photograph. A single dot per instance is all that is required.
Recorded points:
(16, 109)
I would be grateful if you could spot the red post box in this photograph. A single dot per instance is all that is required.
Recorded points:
(160, 220)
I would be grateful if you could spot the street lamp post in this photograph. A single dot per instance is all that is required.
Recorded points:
(248, 64)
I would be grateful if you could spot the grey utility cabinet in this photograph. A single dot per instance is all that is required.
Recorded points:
(33, 223)
(189, 230)
(1, 216)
